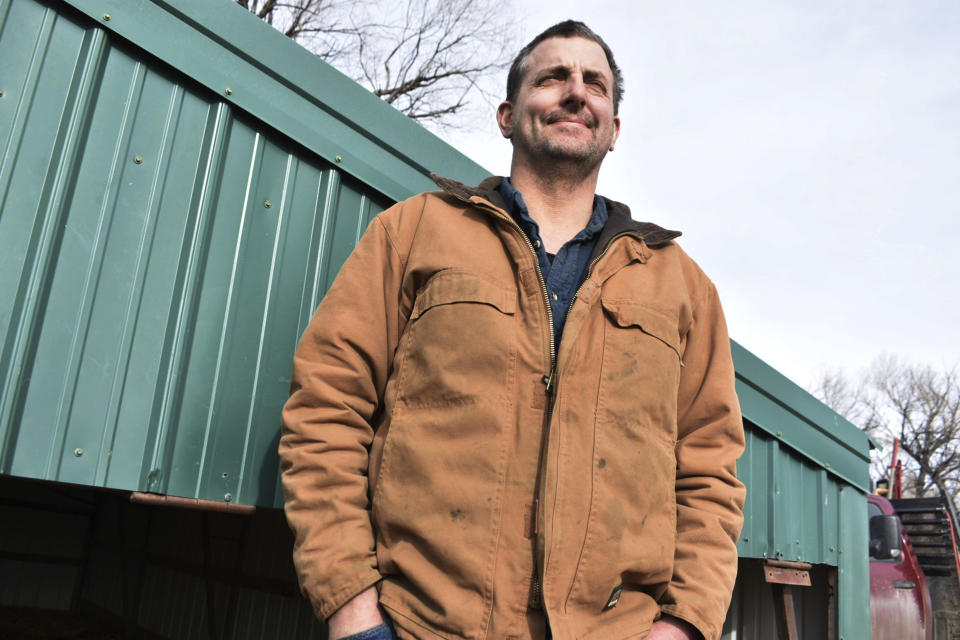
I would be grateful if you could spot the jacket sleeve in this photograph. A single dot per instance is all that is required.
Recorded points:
(339, 373)
(709, 496)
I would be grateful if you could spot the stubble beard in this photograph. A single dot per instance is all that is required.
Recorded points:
(563, 155)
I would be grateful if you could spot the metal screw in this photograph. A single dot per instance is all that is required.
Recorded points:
(828, 465)
(137, 160)
(228, 497)
(746, 539)
(106, 17)
(229, 91)
(78, 452)
(339, 158)
(779, 434)
(832, 549)
(798, 542)
(1, 93)
(267, 204)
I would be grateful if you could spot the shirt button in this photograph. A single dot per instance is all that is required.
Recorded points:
(553, 296)
(536, 243)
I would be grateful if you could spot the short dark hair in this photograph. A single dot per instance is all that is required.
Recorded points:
(565, 29)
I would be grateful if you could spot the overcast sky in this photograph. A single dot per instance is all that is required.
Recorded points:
(809, 151)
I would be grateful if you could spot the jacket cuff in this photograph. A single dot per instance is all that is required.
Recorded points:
(707, 631)
(325, 607)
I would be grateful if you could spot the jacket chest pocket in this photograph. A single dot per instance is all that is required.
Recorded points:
(640, 369)
(459, 346)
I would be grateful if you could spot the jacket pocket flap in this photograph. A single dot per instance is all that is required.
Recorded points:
(454, 286)
(659, 325)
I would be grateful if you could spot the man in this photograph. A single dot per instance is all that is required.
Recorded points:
(513, 414)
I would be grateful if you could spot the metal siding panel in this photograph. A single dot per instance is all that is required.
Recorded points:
(752, 469)
(40, 194)
(238, 360)
(166, 460)
(853, 579)
(810, 546)
(114, 284)
(190, 432)
(830, 517)
(165, 250)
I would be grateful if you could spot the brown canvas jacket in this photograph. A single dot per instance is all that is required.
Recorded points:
(437, 443)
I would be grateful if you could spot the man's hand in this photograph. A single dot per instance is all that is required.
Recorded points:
(359, 614)
(670, 628)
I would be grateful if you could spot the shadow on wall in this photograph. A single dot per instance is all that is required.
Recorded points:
(79, 562)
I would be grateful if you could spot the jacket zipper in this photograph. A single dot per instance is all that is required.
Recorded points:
(549, 380)
(537, 589)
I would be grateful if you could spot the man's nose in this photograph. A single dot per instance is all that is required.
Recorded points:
(575, 94)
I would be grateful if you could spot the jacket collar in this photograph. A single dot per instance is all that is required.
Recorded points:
(618, 220)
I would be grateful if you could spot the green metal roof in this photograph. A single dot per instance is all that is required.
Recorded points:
(788, 413)
(227, 49)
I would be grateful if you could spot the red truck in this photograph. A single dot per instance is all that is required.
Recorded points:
(914, 589)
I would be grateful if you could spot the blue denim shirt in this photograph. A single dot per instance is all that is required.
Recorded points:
(569, 267)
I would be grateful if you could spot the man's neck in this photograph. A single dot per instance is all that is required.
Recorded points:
(561, 207)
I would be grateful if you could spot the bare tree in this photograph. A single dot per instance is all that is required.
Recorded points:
(916, 404)
(428, 58)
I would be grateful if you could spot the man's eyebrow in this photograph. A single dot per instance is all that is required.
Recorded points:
(557, 68)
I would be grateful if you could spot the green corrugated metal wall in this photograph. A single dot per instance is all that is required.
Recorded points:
(162, 251)
(163, 243)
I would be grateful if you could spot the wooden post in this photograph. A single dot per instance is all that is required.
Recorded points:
(783, 576)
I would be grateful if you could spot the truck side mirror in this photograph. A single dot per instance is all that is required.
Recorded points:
(885, 537)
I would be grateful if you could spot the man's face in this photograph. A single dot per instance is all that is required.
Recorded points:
(564, 106)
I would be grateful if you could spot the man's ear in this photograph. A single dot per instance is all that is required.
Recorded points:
(505, 118)
(616, 132)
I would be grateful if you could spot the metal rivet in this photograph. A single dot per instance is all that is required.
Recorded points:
(78, 452)
(227, 497)
(267, 204)
(339, 158)
(106, 17)
(779, 434)
(137, 159)
(229, 91)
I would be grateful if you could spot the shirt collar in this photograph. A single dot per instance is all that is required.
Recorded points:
(517, 208)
